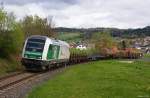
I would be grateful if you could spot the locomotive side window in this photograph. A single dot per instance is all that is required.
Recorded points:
(53, 52)
(49, 54)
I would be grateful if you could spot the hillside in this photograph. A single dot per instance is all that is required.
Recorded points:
(139, 32)
(70, 37)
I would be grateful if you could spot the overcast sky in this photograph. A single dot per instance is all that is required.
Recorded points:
(85, 13)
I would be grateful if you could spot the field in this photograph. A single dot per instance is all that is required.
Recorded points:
(70, 37)
(100, 79)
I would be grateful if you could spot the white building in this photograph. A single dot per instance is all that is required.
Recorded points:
(81, 47)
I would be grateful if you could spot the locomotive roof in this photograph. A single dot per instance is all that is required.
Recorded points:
(38, 36)
(58, 42)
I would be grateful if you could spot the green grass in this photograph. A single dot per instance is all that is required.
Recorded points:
(100, 79)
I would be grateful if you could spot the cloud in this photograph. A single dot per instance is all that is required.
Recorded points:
(85, 13)
(23, 2)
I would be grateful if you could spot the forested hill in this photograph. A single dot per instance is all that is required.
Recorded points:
(139, 32)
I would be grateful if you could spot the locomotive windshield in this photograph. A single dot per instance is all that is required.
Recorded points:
(35, 45)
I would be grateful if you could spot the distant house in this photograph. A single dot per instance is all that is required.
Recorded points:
(142, 44)
(144, 49)
(81, 47)
(148, 51)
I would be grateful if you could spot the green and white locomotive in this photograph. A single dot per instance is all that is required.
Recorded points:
(41, 52)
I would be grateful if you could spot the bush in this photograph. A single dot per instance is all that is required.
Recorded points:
(11, 36)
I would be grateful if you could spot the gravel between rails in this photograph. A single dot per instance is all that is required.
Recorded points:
(21, 89)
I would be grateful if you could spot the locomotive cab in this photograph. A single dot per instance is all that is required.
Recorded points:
(41, 52)
(34, 48)
(33, 52)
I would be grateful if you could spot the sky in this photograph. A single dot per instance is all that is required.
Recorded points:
(85, 13)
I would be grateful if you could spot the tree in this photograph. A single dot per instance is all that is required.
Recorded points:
(34, 25)
(124, 46)
(11, 36)
(103, 42)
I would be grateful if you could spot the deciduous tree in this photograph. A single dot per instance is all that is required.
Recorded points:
(34, 25)
(11, 35)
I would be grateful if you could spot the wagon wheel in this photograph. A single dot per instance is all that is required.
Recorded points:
(44, 68)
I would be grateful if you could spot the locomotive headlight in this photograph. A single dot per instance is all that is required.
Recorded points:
(25, 56)
(39, 57)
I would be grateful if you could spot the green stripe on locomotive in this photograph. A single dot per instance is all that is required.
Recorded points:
(33, 55)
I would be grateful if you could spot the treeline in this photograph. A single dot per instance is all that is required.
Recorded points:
(115, 32)
(13, 33)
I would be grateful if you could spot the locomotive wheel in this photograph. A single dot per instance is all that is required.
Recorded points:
(44, 68)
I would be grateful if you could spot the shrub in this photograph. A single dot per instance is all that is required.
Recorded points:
(11, 36)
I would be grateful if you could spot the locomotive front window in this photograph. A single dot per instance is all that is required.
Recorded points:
(35, 45)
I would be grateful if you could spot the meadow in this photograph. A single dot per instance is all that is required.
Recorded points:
(70, 37)
(99, 79)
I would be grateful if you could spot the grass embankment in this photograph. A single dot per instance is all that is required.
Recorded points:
(100, 79)
(8, 66)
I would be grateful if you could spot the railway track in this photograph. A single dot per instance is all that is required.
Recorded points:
(13, 79)
(10, 75)
(8, 81)
(17, 86)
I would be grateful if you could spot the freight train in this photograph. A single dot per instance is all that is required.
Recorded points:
(41, 52)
